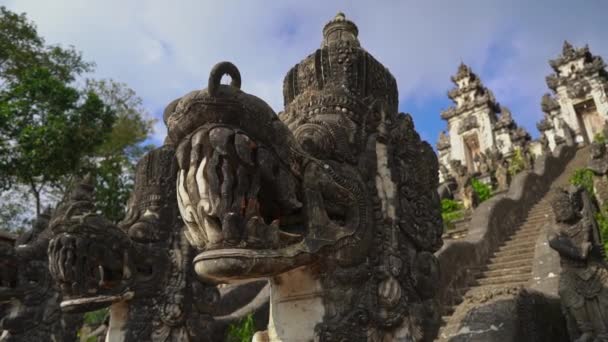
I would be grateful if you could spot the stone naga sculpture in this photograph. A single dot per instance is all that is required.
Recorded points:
(598, 164)
(33, 312)
(141, 269)
(334, 200)
(583, 283)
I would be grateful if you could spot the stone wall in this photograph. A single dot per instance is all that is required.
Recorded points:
(511, 314)
(494, 220)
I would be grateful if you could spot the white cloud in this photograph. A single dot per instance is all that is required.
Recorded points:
(165, 49)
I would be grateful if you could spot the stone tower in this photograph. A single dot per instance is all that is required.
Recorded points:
(579, 104)
(476, 123)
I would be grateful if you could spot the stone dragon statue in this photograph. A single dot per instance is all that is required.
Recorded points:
(141, 268)
(333, 200)
(32, 313)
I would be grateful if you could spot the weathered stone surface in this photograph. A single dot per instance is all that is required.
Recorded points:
(334, 200)
(141, 268)
(512, 314)
(583, 284)
(31, 301)
(465, 192)
(477, 123)
(578, 107)
(494, 219)
(598, 164)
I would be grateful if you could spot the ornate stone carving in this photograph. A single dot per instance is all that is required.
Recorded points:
(578, 89)
(583, 283)
(25, 283)
(334, 200)
(548, 104)
(520, 137)
(444, 141)
(485, 163)
(544, 144)
(505, 121)
(599, 165)
(545, 124)
(569, 53)
(465, 191)
(140, 268)
(502, 175)
(463, 72)
(468, 123)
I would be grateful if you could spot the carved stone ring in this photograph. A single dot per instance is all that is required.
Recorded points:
(219, 70)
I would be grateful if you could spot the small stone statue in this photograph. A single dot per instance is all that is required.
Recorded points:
(599, 166)
(583, 284)
(484, 163)
(502, 175)
(544, 143)
(465, 187)
(528, 157)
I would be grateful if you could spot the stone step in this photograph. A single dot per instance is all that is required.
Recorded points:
(509, 252)
(519, 243)
(509, 258)
(506, 264)
(504, 280)
(526, 235)
(524, 248)
(506, 271)
(539, 213)
(538, 219)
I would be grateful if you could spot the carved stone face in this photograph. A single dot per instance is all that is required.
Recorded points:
(255, 202)
(89, 260)
(26, 288)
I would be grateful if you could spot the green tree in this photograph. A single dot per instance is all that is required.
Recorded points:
(47, 125)
(483, 191)
(517, 163)
(241, 331)
(583, 177)
(113, 162)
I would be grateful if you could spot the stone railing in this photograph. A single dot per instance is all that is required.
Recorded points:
(494, 220)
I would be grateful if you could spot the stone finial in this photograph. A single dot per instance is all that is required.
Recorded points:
(567, 48)
(463, 71)
(443, 142)
(340, 29)
(548, 103)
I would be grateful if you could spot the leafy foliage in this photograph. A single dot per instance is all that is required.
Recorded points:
(95, 317)
(602, 222)
(517, 163)
(451, 211)
(46, 125)
(599, 137)
(243, 331)
(51, 131)
(483, 191)
(113, 162)
(583, 177)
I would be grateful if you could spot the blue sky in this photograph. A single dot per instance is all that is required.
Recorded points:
(165, 49)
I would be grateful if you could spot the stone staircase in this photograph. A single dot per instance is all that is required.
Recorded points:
(511, 264)
(459, 230)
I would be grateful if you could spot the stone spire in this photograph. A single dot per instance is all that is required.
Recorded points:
(567, 49)
(339, 76)
(468, 93)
